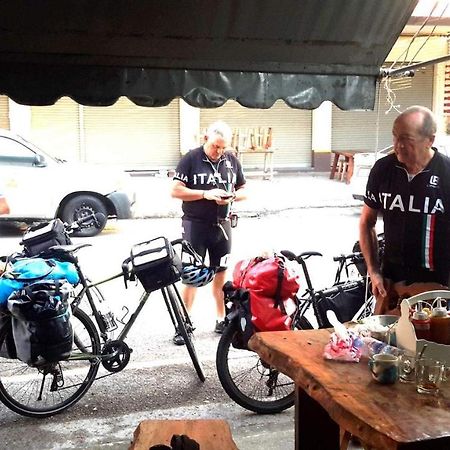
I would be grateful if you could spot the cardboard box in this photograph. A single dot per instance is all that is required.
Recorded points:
(405, 333)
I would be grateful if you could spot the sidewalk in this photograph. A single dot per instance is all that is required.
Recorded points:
(284, 192)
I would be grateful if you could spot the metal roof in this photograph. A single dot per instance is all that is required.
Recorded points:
(205, 51)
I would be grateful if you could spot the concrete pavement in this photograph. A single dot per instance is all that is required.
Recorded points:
(284, 192)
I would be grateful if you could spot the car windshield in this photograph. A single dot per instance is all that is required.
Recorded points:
(37, 149)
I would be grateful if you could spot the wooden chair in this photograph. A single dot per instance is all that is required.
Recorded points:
(209, 434)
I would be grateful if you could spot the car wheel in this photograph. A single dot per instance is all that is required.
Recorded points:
(82, 206)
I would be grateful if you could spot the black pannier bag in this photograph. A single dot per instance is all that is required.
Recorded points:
(344, 299)
(155, 263)
(41, 237)
(40, 320)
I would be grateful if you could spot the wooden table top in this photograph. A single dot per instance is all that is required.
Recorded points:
(381, 415)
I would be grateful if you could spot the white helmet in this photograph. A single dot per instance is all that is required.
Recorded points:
(197, 276)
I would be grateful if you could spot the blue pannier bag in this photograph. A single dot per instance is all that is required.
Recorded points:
(28, 270)
(40, 321)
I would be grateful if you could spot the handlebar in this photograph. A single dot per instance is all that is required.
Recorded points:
(342, 258)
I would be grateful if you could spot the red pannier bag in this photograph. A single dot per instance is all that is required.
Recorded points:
(272, 286)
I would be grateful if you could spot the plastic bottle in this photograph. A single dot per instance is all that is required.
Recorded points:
(421, 322)
(372, 346)
(440, 322)
(106, 315)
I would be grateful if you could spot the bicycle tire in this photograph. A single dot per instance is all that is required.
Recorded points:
(248, 380)
(185, 329)
(20, 384)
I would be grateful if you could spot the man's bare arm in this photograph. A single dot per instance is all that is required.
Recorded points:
(369, 246)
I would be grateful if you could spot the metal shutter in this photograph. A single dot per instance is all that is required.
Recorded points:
(4, 112)
(291, 130)
(55, 129)
(133, 137)
(357, 130)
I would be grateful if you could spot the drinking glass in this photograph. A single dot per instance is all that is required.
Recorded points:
(429, 375)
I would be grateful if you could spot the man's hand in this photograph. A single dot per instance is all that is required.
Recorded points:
(220, 196)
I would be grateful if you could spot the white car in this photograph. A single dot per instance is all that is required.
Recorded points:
(39, 187)
(363, 162)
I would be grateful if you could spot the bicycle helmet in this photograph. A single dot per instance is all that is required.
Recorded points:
(197, 276)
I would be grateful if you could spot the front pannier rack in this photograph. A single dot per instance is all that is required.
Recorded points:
(155, 263)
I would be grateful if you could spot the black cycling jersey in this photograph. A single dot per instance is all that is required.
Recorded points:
(416, 215)
(197, 171)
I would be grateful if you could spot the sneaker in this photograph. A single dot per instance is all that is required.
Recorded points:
(220, 326)
(178, 339)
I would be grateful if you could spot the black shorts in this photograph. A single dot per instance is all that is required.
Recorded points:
(212, 238)
(409, 275)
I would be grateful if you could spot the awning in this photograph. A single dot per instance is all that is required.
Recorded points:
(205, 51)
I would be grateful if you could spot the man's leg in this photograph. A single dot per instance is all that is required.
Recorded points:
(217, 284)
(189, 296)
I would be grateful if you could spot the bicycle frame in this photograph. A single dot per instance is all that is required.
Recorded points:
(87, 286)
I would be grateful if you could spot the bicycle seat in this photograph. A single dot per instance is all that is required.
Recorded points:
(308, 254)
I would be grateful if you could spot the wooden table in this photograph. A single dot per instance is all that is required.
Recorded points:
(335, 399)
(349, 159)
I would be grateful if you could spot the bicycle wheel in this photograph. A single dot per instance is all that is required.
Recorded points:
(53, 387)
(185, 328)
(249, 381)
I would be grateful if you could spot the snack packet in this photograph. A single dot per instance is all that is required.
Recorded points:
(344, 345)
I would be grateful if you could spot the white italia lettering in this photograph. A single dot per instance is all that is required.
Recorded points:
(182, 177)
(411, 204)
(397, 203)
(210, 179)
(202, 177)
(384, 197)
(439, 206)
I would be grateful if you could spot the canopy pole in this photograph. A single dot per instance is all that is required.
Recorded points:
(408, 71)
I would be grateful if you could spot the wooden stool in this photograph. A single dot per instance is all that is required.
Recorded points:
(210, 434)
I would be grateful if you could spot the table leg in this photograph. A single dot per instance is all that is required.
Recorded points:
(351, 165)
(334, 166)
(314, 428)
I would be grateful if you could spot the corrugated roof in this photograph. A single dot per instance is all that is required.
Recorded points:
(206, 51)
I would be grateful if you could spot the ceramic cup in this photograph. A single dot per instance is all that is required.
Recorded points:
(429, 376)
(384, 368)
(407, 368)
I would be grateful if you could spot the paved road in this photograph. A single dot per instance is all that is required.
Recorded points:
(160, 381)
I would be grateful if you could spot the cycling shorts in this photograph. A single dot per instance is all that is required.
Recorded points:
(409, 275)
(213, 239)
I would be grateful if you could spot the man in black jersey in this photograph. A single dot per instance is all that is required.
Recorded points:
(208, 180)
(411, 189)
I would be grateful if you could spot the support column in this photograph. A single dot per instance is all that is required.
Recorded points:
(189, 127)
(20, 119)
(321, 137)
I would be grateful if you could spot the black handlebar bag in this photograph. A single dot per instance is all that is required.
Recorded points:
(40, 322)
(40, 238)
(155, 263)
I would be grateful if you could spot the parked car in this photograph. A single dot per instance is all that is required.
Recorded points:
(40, 187)
(363, 162)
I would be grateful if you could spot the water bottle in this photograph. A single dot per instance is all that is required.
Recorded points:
(107, 316)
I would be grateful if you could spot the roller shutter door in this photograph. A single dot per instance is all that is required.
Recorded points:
(133, 137)
(55, 129)
(291, 130)
(357, 130)
(4, 112)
